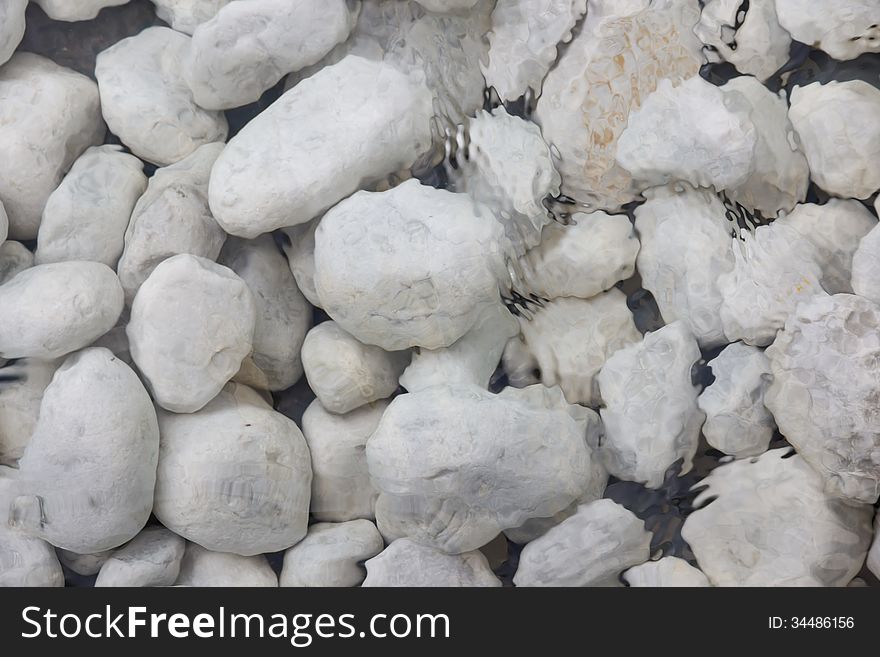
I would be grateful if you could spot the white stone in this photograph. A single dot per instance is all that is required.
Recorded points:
(291, 163)
(567, 342)
(775, 268)
(172, 217)
(14, 259)
(685, 247)
(152, 558)
(755, 43)
(472, 359)
(590, 548)
(300, 254)
(283, 314)
(11, 28)
(844, 30)
(247, 47)
(192, 324)
(20, 404)
(666, 572)
(86, 217)
(26, 561)
(186, 15)
(866, 267)
(455, 465)
(772, 525)
(331, 555)
(650, 412)
(523, 42)
(201, 567)
(48, 116)
(412, 266)
(621, 53)
(839, 126)
(146, 101)
(584, 258)
(835, 229)
(97, 428)
(84, 564)
(825, 389)
(405, 563)
(76, 10)
(51, 310)
(234, 476)
(737, 422)
(345, 373)
(506, 165)
(341, 486)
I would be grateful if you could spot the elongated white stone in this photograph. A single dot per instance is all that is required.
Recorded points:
(48, 116)
(86, 217)
(146, 101)
(773, 525)
(11, 28)
(331, 554)
(291, 163)
(844, 30)
(152, 558)
(666, 572)
(409, 564)
(192, 324)
(201, 567)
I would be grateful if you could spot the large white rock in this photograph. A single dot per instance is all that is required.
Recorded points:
(20, 404)
(523, 42)
(201, 567)
(650, 411)
(567, 342)
(11, 28)
(737, 422)
(472, 359)
(835, 230)
(48, 116)
(341, 486)
(581, 259)
(506, 165)
(86, 217)
(455, 465)
(825, 389)
(234, 476)
(192, 324)
(866, 267)
(591, 548)
(748, 35)
(146, 101)
(622, 52)
(172, 217)
(666, 572)
(247, 47)
(27, 561)
(186, 15)
(844, 30)
(775, 268)
(300, 252)
(283, 314)
(322, 140)
(412, 266)
(405, 563)
(76, 10)
(51, 310)
(345, 373)
(14, 259)
(331, 554)
(773, 525)
(839, 126)
(685, 247)
(85, 482)
(152, 558)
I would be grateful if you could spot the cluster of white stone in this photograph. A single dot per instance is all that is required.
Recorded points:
(147, 322)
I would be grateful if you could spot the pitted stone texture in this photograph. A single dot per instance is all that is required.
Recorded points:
(825, 390)
(773, 525)
(406, 563)
(331, 554)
